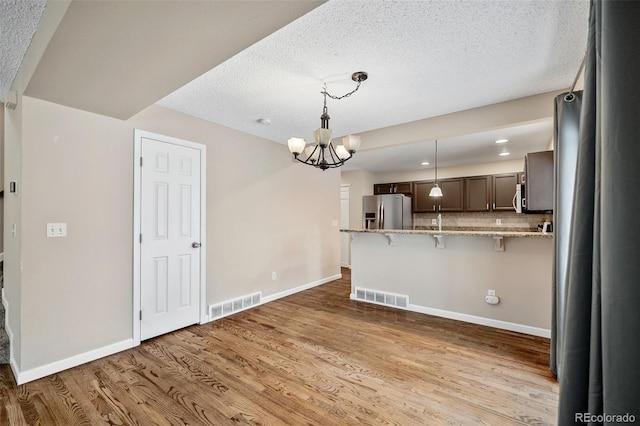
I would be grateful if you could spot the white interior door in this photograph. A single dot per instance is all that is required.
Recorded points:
(345, 243)
(170, 244)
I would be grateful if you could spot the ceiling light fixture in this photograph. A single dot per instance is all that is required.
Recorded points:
(425, 163)
(504, 154)
(502, 141)
(436, 191)
(323, 155)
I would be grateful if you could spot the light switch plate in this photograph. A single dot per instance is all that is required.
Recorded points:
(55, 230)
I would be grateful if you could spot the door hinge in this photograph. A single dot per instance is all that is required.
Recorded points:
(140, 315)
(140, 237)
(140, 161)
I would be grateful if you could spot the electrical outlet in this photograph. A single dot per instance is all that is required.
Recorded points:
(491, 292)
(434, 222)
(334, 223)
(492, 300)
(274, 275)
(56, 230)
(498, 221)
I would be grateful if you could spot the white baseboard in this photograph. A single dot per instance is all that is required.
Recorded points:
(473, 319)
(286, 293)
(300, 288)
(75, 360)
(64, 364)
(504, 325)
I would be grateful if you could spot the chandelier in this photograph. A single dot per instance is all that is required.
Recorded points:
(323, 154)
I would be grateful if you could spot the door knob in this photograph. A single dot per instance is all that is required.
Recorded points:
(195, 245)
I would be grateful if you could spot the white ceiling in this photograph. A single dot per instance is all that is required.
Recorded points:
(424, 59)
(18, 23)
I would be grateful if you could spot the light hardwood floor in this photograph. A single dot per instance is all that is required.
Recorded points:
(314, 358)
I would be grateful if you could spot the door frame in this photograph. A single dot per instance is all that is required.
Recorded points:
(346, 186)
(137, 218)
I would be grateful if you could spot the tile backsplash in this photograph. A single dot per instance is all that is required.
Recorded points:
(510, 221)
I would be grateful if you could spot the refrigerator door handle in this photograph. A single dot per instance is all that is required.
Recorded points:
(381, 224)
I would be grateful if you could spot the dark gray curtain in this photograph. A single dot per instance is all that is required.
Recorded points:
(566, 141)
(600, 372)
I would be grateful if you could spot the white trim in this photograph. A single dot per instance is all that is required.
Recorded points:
(300, 288)
(504, 325)
(137, 137)
(473, 319)
(12, 362)
(73, 361)
(286, 293)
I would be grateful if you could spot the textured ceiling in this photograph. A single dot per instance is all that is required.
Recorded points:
(424, 59)
(18, 22)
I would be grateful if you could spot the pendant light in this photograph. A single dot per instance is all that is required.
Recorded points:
(436, 191)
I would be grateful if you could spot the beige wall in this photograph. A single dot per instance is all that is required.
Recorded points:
(496, 116)
(76, 291)
(264, 214)
(454, 280)
(48, 24)
(12, 219)
(360, 184)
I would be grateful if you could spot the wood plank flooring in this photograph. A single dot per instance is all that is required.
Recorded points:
(314, 358)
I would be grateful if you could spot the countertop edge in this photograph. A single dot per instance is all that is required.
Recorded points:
(452, 233)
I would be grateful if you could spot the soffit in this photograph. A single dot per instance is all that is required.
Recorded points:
(117, 57)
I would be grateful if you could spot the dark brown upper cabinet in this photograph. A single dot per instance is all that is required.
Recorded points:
(422, 203)
(504, 189)
(452, 199)
(405, 188)
(478, 194)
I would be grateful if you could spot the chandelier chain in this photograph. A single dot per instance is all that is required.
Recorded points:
(324, 92)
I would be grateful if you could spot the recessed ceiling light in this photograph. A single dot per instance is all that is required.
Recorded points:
(504, 154)
(502, 141)
(265, 121)
(425, 163)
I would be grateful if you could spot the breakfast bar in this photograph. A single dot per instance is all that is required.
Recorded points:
(450, 273)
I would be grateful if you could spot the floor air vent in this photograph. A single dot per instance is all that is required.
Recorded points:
(229, 307)
(382, 298)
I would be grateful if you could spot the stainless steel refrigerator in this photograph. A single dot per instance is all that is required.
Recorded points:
(388, 211)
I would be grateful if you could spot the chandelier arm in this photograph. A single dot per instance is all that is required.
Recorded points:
(334, 156)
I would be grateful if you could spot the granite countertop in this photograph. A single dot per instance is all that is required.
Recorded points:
(466, 232)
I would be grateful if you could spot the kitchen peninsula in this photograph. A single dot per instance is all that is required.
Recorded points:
(449, 273)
